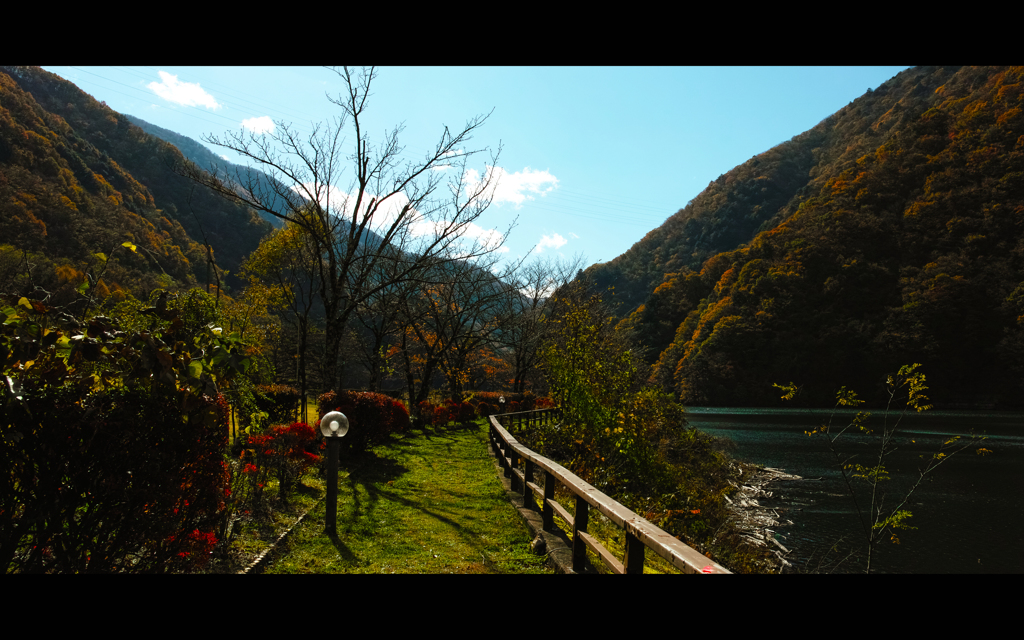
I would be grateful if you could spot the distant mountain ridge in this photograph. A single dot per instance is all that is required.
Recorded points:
(206, 159)
(214, 164)
(79, 178)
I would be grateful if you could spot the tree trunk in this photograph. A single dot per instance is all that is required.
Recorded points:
(303, 331)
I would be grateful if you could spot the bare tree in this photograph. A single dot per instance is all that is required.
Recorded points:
(389, 210)
(378, 319)
(468, 312)
(448, 322)
(526, 305)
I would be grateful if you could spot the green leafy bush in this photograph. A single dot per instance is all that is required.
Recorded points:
(111, 442)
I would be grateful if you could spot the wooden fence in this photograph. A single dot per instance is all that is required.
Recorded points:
(520, 464)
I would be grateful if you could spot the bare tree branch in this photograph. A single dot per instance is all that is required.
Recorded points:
(390, 211)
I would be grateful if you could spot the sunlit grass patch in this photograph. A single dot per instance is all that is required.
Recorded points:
(428, 502)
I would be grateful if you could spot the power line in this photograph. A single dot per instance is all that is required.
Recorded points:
(582, 204)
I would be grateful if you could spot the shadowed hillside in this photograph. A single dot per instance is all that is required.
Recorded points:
(79, 178)
(889, 233)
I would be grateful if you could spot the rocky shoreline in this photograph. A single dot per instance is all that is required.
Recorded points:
(755, 509)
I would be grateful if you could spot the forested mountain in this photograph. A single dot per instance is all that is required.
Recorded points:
(206, 159)
(77, 178)
(892, 232)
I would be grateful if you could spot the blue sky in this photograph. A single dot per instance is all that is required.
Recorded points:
(592, 157)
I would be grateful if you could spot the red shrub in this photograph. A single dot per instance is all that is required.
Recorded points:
(485, 409)
(466, 412)
(372, 417)
(442, 415)
(281, 402)
(400, 422)
(426, 412)
(287, 450)
(528, 402)
(135, 482)
(545, 403)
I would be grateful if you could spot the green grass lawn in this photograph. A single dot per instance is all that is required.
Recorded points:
(425, 502)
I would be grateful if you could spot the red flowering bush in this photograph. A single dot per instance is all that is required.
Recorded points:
(372, 417)
(285, 450)
(544, 403)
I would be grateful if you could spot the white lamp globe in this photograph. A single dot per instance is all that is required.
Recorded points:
(334, 425)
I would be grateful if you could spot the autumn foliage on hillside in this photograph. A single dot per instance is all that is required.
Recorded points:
(910, 251)
(77, 178)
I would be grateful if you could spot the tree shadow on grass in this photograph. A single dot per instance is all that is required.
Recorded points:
(367, 471)
(373, 474)
(466, 426)
(343, 550)
(368, 467)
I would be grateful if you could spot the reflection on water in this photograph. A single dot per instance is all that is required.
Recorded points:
(969, 512)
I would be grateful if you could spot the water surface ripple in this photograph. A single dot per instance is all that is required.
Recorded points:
(969, 512)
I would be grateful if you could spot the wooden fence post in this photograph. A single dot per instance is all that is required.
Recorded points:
(505, 466)
(633, 560)
(549, 494)
(579, 547)
(514, 479)
(528, 500)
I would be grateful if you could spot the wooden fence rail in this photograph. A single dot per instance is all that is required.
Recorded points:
(520, 464)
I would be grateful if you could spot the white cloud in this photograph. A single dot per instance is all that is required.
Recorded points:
(184, 93)
(554, 241)
(490, 238)
(342, 203)
(514, 187)
(262, 124)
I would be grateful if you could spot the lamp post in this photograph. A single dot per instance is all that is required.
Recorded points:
(334, 426)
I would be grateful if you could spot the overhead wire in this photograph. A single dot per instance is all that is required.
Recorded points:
(566, 201)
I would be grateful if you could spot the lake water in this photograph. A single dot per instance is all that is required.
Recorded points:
(969, 512)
